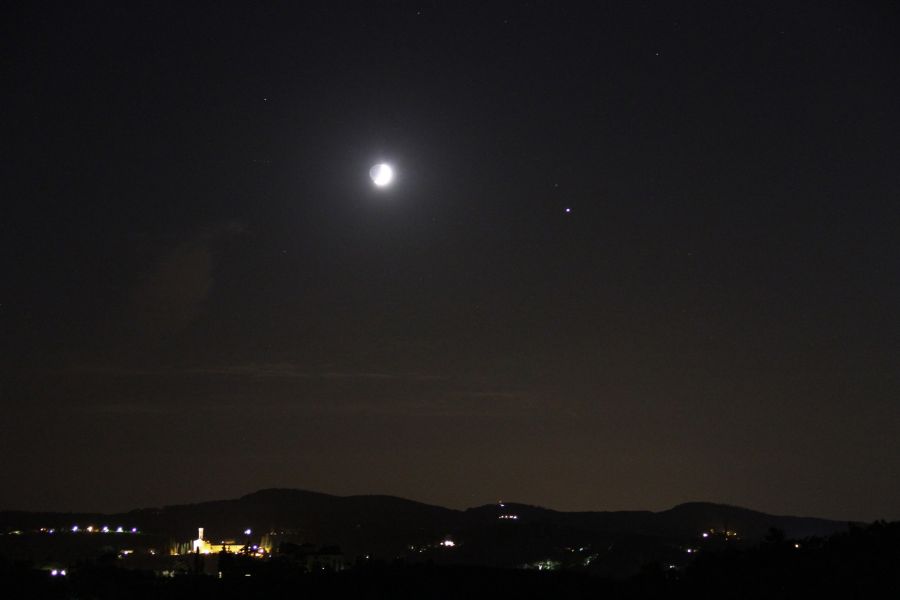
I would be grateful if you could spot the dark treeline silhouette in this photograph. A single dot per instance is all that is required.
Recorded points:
(862, 562)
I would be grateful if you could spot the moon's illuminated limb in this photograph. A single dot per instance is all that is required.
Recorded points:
(382, 174)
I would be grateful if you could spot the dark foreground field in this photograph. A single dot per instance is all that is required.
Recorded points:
(863, 562)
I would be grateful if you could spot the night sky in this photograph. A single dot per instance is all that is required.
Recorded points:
(635, 253)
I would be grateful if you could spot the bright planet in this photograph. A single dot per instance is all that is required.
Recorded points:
(382, 174)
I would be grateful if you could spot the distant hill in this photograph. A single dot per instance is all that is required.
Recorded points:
(498, 535)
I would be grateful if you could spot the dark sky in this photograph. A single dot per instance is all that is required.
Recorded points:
(203, 293)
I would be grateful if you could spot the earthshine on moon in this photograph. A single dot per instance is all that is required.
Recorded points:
(382, 174)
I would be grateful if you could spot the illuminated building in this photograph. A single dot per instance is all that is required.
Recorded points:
(204, 546)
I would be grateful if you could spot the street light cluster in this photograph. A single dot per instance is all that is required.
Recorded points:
(92, 529)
